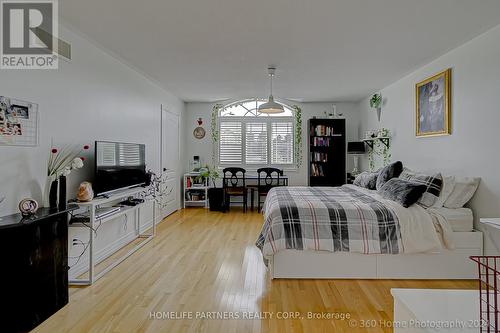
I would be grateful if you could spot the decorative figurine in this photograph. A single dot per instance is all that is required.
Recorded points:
(28, 206)
(85, 192)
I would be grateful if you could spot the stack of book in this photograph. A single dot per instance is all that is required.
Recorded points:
(317, 170)
(321, 142)
(322, 130)
(319, 157)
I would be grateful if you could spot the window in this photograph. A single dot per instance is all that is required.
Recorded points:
(252, 139)
(256, 143)
(230, 142)
(282, 143)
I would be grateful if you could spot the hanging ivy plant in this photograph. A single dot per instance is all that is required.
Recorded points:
(298, 135)
(297, 140)
(215, 131)
(380, 149)
(371, 161)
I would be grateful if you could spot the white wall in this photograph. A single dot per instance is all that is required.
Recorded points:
(203, 148)
(471, 149)
(93, 97)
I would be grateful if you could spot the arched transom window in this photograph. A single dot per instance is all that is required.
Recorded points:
(253, 139)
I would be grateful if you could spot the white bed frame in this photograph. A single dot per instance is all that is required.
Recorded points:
(448, 264)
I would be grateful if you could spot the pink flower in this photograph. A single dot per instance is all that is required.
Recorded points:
(86, 147)
(54, 151)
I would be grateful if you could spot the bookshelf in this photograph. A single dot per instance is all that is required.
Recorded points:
(195, 190)
(327, 152)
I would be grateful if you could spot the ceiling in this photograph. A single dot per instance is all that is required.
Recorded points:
(324, 50)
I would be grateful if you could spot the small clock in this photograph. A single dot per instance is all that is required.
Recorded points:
(199, 132)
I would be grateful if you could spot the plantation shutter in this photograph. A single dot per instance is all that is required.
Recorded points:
(282, 143)
(107, 154)
(256, 143)
(230, 148)
(129, 154)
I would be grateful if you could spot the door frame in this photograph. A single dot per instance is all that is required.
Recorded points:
(164, 108)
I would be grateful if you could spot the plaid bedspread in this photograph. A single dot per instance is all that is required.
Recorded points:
(328, 219)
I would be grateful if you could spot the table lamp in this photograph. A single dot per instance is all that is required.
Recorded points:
(356, 149)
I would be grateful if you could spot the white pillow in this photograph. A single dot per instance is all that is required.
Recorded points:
(448, 186)
(433, 183)
(464, 189)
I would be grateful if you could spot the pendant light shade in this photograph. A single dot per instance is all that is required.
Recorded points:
(271, 106)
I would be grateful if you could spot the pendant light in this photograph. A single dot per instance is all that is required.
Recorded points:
(271, 106)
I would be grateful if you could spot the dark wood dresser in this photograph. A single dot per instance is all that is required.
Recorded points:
(34, 274)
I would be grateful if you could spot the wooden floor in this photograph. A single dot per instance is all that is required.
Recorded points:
(204, 264)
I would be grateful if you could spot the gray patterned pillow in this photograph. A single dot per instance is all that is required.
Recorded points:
(367, 180)
(402, 191)
(390, 171)
(433, 185)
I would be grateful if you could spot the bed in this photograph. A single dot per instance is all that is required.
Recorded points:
(353, 232)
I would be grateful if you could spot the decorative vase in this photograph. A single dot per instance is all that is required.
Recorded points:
(216, 199)
(53, 194)
(63, 203)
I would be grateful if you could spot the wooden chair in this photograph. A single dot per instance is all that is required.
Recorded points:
(267, 179)
(234, 185)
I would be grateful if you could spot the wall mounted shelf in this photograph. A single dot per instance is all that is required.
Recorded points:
(384, 139)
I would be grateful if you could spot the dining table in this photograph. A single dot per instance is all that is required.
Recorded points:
(252, 184)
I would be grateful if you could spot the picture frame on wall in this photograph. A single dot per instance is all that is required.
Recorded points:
(433, 105)
(19, 122)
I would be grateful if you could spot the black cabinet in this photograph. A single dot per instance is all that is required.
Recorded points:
(34, 261)
(327, 152)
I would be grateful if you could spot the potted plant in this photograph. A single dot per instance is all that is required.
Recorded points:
(215, 194)
(376, 103)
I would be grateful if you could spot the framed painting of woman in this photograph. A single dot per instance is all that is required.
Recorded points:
(433, 105)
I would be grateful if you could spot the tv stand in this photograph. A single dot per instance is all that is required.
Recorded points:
(91, 206)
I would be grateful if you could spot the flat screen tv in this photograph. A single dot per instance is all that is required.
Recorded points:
(118, 165)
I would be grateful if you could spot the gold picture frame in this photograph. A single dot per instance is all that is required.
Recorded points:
(433, 105)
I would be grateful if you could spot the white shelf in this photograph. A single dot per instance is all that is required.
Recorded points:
(92, 206)
(187, 189)
(376, 138)
(113, 197)
(121, 212)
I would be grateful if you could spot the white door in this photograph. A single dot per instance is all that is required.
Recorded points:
(170, 157)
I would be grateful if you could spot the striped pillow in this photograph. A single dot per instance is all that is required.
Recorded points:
(434, 184)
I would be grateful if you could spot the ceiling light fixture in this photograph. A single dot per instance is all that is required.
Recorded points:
(271, 106)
